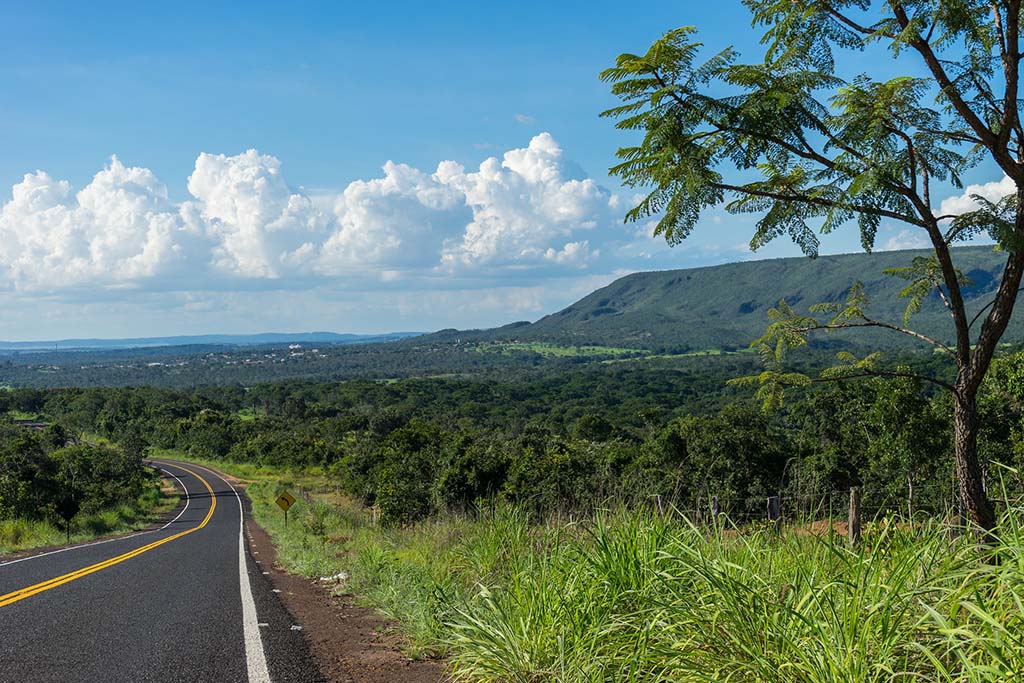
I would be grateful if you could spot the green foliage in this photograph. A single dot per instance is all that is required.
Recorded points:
(789, 330)
(108, 489)
(828, 151)
(474, 470)
(997, 220)
(925, 276)
(36, 473)
(906, 431)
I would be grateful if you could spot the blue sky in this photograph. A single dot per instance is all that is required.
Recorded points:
(187, 231)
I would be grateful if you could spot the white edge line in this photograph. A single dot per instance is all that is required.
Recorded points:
(109, 540)
(255, 656)
(188, 499)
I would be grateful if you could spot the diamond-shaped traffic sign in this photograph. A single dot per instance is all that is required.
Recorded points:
(285, 501)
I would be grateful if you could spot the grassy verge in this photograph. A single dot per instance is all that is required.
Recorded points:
(630, 596)
(330, 536)
(26, 534)
(555, 350)
(311, 479)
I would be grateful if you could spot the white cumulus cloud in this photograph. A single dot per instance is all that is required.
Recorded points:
(907, 239)
(244, 222)
(522, 204)
(119, 228)
(261, 228)
(577, 253)
(400, 220)
(964, 202)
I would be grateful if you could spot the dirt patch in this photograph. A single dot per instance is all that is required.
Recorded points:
(352, 644)
(825, 527)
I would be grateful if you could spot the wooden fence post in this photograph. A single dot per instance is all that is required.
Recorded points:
(775, 511)
(853, 521)
(714, 509)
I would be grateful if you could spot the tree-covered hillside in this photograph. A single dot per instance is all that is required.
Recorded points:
(726, 306)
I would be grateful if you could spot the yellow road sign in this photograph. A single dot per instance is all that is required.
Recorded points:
(285, 501)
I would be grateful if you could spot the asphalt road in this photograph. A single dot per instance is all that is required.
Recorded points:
(183, 603)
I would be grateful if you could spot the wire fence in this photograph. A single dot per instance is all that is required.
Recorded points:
(844, 512)
(794, 508)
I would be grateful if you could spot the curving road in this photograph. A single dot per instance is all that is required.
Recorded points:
(185, 602)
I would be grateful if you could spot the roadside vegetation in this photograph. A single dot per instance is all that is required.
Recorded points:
(633, 595)
(55, 488)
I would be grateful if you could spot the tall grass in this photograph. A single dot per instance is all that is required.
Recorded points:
(640, 598)
(633, 596)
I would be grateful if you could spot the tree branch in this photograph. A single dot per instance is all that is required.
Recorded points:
(942, 295)
(818, 201)
(956, 297)
(1009, 49)
(997, 320)
(850, 23)
(985, 308)
(954, 136)
(922, 204)
(894, 328)
(889, 375)
(988, 138)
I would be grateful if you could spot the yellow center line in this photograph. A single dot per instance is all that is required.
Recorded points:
(23, 593)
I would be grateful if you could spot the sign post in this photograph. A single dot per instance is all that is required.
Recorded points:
(285, 501)
(67, 507)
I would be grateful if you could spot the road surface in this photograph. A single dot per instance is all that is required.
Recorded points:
(186, 602)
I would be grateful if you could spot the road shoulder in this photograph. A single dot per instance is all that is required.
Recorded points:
(351, 644)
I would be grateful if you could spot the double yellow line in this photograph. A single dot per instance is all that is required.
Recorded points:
(28, 592)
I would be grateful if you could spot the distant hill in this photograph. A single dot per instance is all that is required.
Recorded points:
(207, 340)
(726, 306)
(662, 315)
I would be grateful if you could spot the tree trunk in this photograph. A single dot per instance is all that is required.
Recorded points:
(968, 470)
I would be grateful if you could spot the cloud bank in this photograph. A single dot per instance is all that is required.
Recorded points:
(243, 223)
(520, 234)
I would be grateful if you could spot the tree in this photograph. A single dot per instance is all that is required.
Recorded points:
(827, 152)
(906, 433)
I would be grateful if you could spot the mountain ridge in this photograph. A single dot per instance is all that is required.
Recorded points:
(725, 306)
(721, 307)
